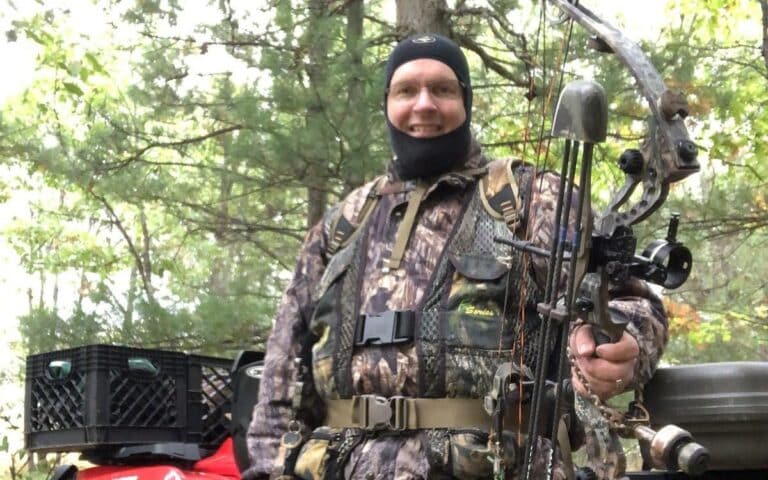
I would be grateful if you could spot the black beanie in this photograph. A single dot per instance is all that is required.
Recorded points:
(436, 47)
(428, 157)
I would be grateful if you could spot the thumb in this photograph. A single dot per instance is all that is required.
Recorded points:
(582, 341)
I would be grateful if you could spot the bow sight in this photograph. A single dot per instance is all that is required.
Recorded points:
(666, 262)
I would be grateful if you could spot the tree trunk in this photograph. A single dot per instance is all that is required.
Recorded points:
(129, 305)
(146, 256)
(422, 16)
(221, 268)
(764, 7)
(358, 145)
(41, 298)
(316, 42)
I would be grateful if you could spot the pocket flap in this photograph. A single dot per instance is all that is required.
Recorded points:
(338, 264)
(478, 267)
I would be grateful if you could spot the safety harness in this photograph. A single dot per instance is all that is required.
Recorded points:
(475, 255)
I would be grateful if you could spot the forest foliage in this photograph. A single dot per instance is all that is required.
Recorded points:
(171, 155)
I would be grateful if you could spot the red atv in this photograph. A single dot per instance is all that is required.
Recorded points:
(154, 415)
(141, 414)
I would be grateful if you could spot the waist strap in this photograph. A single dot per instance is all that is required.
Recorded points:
(371, 412)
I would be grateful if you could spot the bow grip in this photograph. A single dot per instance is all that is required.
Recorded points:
(607, 327)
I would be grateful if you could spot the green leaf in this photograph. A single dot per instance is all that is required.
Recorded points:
(94, 62)
(73, 89)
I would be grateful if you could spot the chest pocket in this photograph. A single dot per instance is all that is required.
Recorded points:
(475, 313)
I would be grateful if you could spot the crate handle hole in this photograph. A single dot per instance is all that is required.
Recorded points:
(59, 369)
(142, 366)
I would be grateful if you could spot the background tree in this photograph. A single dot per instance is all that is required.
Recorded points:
(173, 154)
(178, 154)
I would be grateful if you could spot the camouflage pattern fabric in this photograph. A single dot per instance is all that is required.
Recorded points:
(393, 369)
(604, 452)
(467, 458)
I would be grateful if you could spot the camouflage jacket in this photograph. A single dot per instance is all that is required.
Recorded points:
(391, 370)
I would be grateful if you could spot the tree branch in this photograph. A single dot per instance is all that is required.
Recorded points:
(145, 276)
(177, 143)
(748, 167)
(492, 63)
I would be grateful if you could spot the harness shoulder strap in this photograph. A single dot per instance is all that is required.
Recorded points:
(342, 229)
(500, 193)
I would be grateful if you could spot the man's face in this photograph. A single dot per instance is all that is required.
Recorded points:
(425, 99)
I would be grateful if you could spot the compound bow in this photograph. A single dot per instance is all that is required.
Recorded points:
(603, 247)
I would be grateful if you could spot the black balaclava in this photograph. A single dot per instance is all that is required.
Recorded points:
(427, 157)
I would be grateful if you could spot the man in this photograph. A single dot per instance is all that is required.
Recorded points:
(400, 303)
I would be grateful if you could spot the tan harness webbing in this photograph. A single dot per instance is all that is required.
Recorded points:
(342, 231)
(500, 194)
(407, 413)
(370, 200)
(406, 226)
(371, 412)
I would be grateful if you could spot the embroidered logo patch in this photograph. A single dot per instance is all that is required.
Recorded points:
(468, 309)
(425, 39)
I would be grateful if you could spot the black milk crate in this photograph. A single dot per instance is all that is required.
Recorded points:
(102, 396)
(209, 402)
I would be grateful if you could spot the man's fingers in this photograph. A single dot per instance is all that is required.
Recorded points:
(578, 387)
(600, 369)
(603, 389)
(582, 343)
(610, 371)
(606, 390)
(624, 350)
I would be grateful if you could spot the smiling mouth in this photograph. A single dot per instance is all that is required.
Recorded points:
(423, 130)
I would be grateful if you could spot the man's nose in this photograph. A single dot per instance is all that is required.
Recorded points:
(425, 100)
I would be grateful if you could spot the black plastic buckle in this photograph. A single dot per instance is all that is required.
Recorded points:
(388, 328)
(381, 413)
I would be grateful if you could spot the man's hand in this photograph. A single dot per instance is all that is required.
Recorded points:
(609, 368)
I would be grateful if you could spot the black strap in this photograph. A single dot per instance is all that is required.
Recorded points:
(387, 328)
(506, 202)
(340, 233)
(289, 465)
(341, 230)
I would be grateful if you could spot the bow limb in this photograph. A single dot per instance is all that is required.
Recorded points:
(667, 155)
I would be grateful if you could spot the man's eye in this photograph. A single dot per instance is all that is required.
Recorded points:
(445, 90)
(405, 90)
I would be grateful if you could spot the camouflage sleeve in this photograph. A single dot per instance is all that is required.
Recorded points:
(273, 410)
(647, 324)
